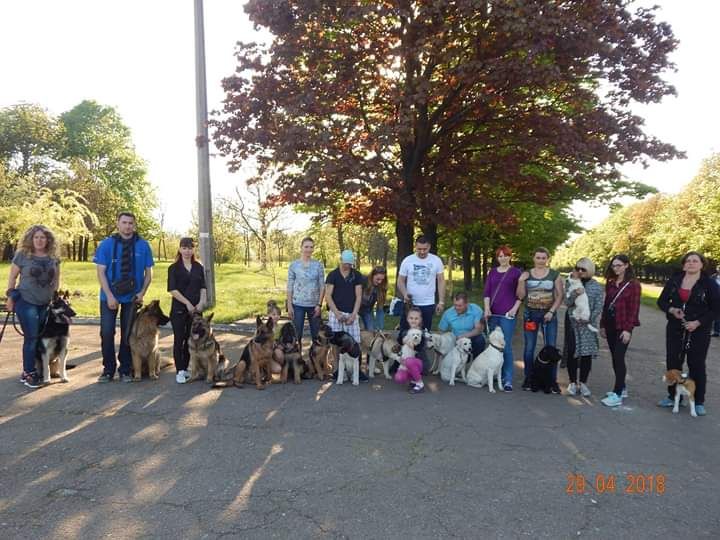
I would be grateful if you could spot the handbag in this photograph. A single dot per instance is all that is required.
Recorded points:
(611, 306)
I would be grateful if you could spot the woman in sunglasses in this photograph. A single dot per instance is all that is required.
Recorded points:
(619, 316)
(372, 306)
(582, 343)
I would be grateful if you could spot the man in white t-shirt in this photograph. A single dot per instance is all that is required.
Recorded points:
(421, 274)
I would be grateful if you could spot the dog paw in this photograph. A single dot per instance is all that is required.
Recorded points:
(136, 379)
(676, 411)
(452, 383)
(65, 379)
(154, 377)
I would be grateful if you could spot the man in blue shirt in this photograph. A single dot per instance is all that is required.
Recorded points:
(124, 269)
(465, 320)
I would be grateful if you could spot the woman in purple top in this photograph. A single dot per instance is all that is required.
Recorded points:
(502, 304)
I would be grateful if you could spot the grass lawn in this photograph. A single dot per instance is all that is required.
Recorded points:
(242, 292)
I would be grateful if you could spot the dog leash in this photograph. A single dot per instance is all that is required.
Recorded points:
(2, 331)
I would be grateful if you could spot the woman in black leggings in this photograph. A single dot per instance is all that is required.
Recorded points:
(620, 316)
(186, 284)
(691, 302)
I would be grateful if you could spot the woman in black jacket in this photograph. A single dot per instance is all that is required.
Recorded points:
(691, 302)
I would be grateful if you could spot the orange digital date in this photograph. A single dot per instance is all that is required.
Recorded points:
(578, 484)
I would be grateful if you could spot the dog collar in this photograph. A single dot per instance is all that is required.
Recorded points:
(501, 349)
(541, 360)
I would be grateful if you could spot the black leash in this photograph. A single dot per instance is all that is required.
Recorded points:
(2, 332)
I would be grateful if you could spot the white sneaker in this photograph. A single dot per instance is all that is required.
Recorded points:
(584, 390)
(624, 393)
(572, 389)
(182, 377)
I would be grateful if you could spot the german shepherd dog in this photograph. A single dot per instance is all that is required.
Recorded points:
(204, 349)
(53, 344)
(293, 362)
(144, 340)
(257, 356)
(319, 351)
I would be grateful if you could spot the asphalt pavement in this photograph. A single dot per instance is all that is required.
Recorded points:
(160, 460)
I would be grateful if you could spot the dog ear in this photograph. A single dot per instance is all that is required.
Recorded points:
(258, 321)
(210, 317)
(270, 323)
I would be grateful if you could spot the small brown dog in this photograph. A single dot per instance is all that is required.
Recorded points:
(319, 351)
(144, 340)
(684, 386)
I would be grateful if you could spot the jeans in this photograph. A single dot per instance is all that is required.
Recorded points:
(550, 331)
(299, 313)
(373, 323)
(181, 333)
(508, 329)
(32, 319)
(427, 317)
(107, 337)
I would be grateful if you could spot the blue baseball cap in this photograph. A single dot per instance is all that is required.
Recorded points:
(347, 257)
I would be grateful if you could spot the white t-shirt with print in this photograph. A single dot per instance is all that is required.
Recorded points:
(421, 277)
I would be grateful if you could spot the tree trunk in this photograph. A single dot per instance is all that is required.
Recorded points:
(467, 266)
(430, 231)
(340, 236)
(404, 234)
(479, 274)
(86, 248)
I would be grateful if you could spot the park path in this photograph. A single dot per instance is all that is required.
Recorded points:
(161, 460)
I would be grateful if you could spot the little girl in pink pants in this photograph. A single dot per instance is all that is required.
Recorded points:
(410, 369)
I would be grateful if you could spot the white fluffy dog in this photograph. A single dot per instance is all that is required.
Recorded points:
(442, 344)
(582, 304)
(411, 340)
(488, 364)
(455, 361)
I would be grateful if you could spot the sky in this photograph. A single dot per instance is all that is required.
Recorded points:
(138, 56)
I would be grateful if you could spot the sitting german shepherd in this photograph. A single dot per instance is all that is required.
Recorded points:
(204, 349)
(53, 343)
(319, 351)
(255, 358)
(144, 340)
(293, 362)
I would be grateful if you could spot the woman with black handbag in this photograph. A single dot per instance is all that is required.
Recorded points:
(620, 315)
(691, 302)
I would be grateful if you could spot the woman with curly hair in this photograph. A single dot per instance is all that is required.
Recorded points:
(37, 265)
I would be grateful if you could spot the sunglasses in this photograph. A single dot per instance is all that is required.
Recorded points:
(580, 269)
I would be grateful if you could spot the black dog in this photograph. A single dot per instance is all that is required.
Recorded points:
(53, 343)
(542, 370)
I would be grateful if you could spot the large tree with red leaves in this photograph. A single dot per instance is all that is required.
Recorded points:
(443, 112)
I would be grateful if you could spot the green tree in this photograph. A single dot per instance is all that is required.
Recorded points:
(30, 140)
(109, 172)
